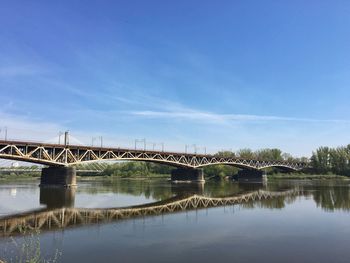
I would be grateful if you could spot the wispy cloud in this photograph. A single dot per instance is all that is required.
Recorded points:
(21, 70)
(19, 127)
(210, 117)
(153, 107)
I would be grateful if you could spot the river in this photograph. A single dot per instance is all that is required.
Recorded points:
(275, 221)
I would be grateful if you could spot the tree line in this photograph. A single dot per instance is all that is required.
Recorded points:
(324, 160)
(266, 154)
(148, 169)
(137, 169)
(331, 160)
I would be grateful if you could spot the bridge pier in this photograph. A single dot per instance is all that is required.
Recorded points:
(187, 175)
(246, 175)
(58, 176)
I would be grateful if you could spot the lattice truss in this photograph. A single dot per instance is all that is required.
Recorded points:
(65, 217)
(55, 154)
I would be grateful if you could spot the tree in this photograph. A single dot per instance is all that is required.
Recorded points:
(339, 161)
(320, 160)
(269, 154)
(225, 154)
(245, 153)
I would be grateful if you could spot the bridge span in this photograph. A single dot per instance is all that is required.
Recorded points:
(59, 157)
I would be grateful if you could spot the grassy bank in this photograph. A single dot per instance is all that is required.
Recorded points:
(140, 175)
(12, 177)
(276, 176)
(304, 176)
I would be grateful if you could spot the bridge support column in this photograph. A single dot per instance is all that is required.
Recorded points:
(187, 175)
(251, 176)
(58, 176)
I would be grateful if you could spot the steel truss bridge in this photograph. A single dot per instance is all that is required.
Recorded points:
(66, 217)
(68, 155)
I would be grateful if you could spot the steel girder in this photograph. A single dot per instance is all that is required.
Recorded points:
(66, 155)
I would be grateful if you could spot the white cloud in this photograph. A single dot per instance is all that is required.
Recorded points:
(210, 117)
(186, 115)
(305, 131)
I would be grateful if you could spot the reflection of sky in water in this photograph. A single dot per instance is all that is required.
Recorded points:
(313, 227)
(19, 197)
(24, 196)
(300, 232)
(104, 200)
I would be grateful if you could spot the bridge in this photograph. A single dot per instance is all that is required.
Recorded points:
(61, 157)
(67, 217)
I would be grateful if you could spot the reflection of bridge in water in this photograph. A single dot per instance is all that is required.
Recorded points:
(66, 217)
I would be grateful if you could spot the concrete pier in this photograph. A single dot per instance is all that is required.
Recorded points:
(250, 176)
(187, 175)
(58, 176)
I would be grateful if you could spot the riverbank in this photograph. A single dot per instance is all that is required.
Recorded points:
(276, 176)
(303, 176)
(21, 177)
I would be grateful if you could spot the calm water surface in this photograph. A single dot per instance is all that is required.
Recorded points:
(311, 225)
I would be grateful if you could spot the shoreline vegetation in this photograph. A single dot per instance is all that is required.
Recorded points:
(27, 248)
(305, 176)
(325, 163)
(142, 175)
(270, 177)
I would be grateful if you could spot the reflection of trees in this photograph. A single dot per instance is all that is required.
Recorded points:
(221, 188)
(329, 195)
(149, 188)
(224, 188)
(278, 202)
(272, 203)
(161, 189)
(333, 197)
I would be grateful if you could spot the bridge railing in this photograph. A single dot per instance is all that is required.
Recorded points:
(96, 148)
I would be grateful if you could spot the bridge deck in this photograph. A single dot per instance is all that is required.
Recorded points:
(65, 155)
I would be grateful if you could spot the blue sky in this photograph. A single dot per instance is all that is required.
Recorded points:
(225, 75)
